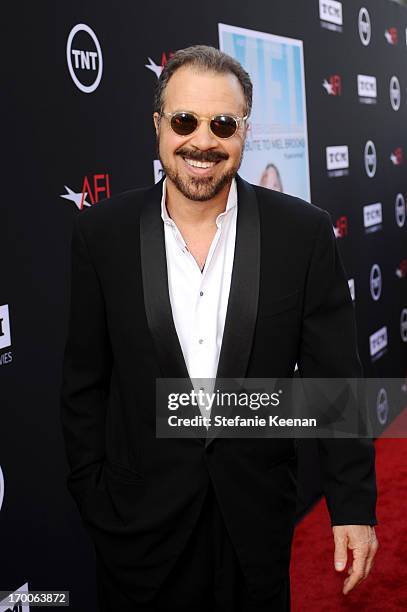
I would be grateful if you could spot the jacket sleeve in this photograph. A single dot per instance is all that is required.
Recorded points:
(86, 371)
(328, 349)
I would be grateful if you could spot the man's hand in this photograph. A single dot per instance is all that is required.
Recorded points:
(361, 539)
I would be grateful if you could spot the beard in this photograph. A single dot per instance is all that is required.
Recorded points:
(200, 189)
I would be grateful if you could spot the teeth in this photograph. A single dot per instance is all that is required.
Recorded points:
(198, 164)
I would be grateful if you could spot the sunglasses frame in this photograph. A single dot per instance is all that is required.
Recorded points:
(238, 121)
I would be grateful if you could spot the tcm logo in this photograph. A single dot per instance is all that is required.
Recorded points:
(375, 282)
(370, 159)
(395, 93)
(333, 85)
(351, 285)
(96, 188)
(372, 217)
(378, 342)
(403, 325)
(158, 68)
(5, 335)
(341, 227)
(397, 157)
(84, 58)
(400, 209)
(367, 89)
(5, 606)
(364, 26)
(337, 160)
(330, 14)
(391, 35)
(401, 271)
(382, 406)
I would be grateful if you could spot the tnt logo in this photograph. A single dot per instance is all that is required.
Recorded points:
(341, 227)
(364, 26)
(158, 68)
(333, 85)
(400, 209)
(397, 157)
(391, 35)
(96, 188)
(84, 58)
(370, 159)
(20, 606)
(158, 170)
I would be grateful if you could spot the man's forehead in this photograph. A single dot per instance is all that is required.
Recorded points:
(191, 89)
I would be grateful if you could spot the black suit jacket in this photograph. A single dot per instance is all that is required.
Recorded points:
(140, 496)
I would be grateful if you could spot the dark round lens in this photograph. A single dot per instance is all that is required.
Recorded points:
(223, 126)
(184, 124)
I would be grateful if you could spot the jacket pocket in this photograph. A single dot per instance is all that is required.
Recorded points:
(282, 304)
(122, 473)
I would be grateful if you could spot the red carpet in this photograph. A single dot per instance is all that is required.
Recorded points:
(317, 587)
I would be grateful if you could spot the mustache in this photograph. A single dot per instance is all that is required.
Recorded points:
(203, 156)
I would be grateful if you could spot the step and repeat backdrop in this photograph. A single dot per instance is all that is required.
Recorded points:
(328, 125)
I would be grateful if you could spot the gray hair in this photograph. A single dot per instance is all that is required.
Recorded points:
(203, 58)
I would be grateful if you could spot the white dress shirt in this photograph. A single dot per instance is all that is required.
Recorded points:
(198, 298)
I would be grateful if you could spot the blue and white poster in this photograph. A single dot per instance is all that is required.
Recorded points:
(276, 151)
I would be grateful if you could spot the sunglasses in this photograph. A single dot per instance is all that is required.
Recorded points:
(185, 123)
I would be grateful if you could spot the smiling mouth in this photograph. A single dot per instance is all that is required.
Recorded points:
(200, 164)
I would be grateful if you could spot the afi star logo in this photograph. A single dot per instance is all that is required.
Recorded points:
(157, 69)
(401, 271)
(391, 36)
(397, 156)
(100, 185)
(341, 227)
(333, 85)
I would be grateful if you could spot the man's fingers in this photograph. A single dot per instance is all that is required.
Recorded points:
(341, 553)
(369, 562)
(361, 539)
(357, 573)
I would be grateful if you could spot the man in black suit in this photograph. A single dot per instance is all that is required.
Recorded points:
(204, 275)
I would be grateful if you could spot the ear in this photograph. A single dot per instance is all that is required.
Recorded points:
(156, 119)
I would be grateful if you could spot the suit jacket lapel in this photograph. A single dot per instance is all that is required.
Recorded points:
(243, 296)
(157, 301)
(155, 287)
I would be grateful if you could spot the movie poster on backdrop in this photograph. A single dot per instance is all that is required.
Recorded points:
(276, 151)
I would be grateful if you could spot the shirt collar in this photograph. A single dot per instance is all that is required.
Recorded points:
(231, 203)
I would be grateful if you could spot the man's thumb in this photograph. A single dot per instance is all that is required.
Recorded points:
(341, 555)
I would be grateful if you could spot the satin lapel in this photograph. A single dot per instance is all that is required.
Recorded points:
(156, 296)
(241, 313)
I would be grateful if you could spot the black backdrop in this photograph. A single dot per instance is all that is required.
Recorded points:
(56, 137)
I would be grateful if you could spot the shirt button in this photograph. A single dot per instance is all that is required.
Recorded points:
(201, 293)
(200, 341)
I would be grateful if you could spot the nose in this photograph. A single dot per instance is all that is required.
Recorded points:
(203, 138)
